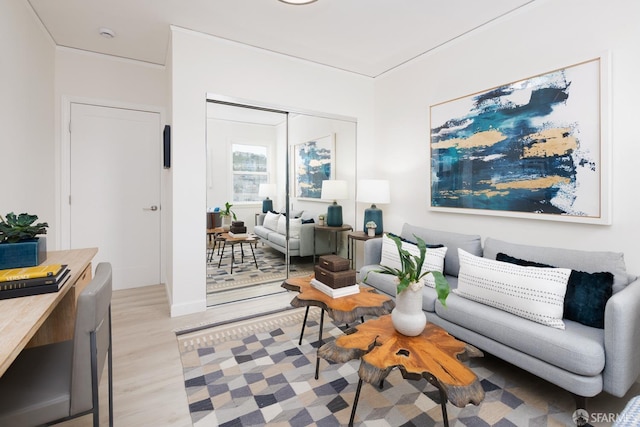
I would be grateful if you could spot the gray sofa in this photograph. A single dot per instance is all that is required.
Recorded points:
(301, 240)
(581, 359)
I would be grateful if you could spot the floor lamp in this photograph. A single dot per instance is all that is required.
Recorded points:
(333, 189)
(373, 191)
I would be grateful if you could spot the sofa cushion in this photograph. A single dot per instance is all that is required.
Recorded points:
(577, 348)
(587, 293)
(588, 261)
(471, 243)
(535, 293)
(271, 221)
(433, 260)
(262, 232)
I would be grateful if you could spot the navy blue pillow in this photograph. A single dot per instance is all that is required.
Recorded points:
(587, 293)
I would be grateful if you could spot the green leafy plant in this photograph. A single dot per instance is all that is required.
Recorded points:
(411, 271)
(227, 211)
(21, 227)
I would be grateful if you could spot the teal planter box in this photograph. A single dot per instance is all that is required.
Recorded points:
(27, 253)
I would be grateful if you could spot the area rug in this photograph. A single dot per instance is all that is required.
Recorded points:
(254, 373)
(271, 267)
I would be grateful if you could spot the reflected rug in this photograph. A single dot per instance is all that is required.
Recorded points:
(271, 267)
(254, 373)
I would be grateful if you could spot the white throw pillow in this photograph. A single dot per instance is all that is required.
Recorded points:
(271, 221)
(433, 260)
(295, 225)
(282, 225)
(534, 293)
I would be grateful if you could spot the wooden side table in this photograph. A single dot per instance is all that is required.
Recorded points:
(342, 310)
(234, 241)
(352, 236)
(330, 229)
(433, 355)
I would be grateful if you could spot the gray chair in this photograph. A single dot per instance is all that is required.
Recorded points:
(56, 382)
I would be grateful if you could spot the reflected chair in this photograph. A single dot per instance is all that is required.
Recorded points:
(56, 382)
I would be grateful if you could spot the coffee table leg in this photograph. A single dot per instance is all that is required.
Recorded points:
(254, 256)
(319, 343)
(443, 399)
(304, 323)
(355, 403)
(224, 245)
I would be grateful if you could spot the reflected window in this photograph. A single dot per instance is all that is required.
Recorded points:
(249, 168)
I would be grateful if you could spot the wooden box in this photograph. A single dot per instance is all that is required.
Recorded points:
(335, 279)
(333, 263)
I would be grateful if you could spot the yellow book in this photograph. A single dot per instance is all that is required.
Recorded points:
(29, 272)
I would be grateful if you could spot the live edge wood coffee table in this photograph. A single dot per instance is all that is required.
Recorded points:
(345, 309)
(433, 355)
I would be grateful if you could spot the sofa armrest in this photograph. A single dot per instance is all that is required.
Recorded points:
(622, 340)
(372, 251)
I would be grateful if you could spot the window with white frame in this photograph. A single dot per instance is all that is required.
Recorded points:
(250, 169)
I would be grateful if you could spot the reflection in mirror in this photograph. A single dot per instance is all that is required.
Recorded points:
(250, 157)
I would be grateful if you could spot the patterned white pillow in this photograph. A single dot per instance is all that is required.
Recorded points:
(271, 221)
(534, 293)
(433, 260)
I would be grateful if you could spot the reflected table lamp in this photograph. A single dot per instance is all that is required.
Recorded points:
(266, 190)
(373, 191)
(334, 190)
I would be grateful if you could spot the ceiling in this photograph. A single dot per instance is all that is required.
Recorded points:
(368, 37)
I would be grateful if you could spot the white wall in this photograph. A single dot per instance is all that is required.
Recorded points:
(544, 36)
(202, 64)
(27, 167)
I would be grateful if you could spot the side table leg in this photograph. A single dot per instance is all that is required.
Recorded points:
(319, 343)
(355, 403)
(304, 323)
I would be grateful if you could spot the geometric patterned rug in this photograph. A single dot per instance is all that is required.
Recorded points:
(271, 267)
(254, 373)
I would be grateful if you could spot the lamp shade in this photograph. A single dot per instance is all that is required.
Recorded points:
(334, 189)
(266, 190)
(373, 191)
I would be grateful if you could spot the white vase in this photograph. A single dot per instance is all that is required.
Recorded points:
(407, 316)
(371, 232)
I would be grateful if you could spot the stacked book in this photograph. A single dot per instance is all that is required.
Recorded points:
(42, 279)
(334, 277)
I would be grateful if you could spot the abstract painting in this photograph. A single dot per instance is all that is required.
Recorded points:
(530, 147)
(313, 162)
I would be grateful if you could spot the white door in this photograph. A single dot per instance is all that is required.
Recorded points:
(115, 190)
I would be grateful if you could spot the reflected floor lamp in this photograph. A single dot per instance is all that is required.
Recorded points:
(266, 190)
(373, 191)
(333, 189)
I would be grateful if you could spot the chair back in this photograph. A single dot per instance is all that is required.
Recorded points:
(93, 319)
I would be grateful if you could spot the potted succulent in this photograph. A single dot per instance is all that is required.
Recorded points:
(371, 228)
(408, 317)
(20, 245)
(226, 215)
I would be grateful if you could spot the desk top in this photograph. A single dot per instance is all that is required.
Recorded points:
(21, 317)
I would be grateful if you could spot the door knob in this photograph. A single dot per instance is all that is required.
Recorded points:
(152, 208)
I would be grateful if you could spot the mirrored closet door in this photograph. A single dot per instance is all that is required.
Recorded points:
(264, 199)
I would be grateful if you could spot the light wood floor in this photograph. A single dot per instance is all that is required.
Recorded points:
(148, 381)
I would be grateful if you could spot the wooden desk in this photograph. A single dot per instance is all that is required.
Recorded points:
(40, 319)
